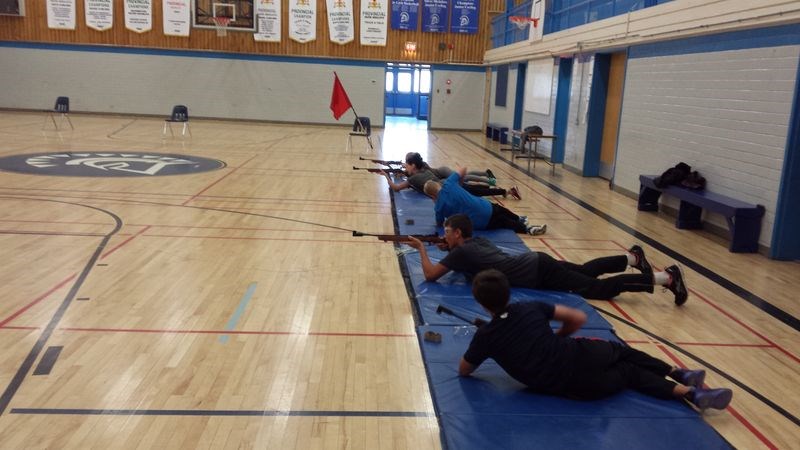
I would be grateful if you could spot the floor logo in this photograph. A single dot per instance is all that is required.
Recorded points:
(128, 164)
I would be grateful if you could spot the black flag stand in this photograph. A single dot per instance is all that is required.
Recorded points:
(361, 127)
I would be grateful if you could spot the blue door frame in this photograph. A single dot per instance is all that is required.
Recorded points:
(519, 96)
(562, 108)
(785, 238)
(596, 115)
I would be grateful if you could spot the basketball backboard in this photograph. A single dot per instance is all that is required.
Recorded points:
(240, 12)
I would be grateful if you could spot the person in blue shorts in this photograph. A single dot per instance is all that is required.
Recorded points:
(520, 340)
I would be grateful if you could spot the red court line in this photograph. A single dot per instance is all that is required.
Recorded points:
(218, 180)
(125, 242)
(709, 344)
(141, 194)
(37, 300)
(742, 324)
(730, 409)
(621, 311)
(315, 211)
(745, 326)
(257, 333)
(188, 227)
(233, 238)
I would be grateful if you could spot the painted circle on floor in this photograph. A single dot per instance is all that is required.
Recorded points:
(108, 164)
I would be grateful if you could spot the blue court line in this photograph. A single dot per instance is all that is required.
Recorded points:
(239, 310)
(216, 412)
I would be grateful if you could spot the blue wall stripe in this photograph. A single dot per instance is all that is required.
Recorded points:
(735, 40)
(215, 412)
(239, 311)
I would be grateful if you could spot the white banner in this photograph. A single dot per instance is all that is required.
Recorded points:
(61, 14)
(302, 20)
(139, 15)
(99, 14)
(340, 21)
(374, 20)
(268, 17)
(177, 16)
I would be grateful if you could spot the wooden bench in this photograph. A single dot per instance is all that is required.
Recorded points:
(744, 219)
(497, 132)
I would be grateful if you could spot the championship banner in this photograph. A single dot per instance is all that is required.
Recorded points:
(268, 18)
(464, 16)
(434, 16)
(302, 20)
(177, 17)
(405, 14)
(139, 15)
(340, 21)
(373, 22)
(99, 14)
(61, 14)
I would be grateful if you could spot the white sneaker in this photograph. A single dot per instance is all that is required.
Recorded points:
(536, 230)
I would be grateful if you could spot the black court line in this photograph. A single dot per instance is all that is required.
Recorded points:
(772, 405)
(734, 288)
(25, 368)
(215, 412)
(48, 361)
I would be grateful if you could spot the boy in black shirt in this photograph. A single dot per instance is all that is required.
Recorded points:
(520, 340)
(539, 270)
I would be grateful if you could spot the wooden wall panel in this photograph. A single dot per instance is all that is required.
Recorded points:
(467, 49)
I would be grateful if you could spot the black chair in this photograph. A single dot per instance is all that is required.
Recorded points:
(61, 107)
(180, 114)
(361, 127)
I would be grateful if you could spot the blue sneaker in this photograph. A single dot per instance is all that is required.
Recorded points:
(686, 377)
(711, 398)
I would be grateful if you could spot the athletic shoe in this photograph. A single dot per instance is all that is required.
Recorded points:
(514, 191)
(641, 262)
(536, 230)
(677, 285)
(711, 398)
(686, 377)
(490, 174)
(492, 181)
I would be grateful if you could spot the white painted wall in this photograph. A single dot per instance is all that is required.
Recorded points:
(724, 113)
(504, 114)
(462, 108)
(580, 89)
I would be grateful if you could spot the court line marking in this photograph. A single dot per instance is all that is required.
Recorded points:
(237, 314)
(218, 412)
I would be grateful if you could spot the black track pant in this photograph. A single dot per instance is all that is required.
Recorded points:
(603, 368)
(503, 218)
(483, 191)
(582, 279)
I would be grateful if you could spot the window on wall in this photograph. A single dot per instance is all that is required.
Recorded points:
(389, 81)
(425, 80)
(404, 82)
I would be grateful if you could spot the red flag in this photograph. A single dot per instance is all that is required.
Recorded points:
(340, 103)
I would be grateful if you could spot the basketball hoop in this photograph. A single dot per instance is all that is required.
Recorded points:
(521, 21)
(222, 25)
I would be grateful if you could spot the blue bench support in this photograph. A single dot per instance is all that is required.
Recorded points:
(497, 132)
(744, 219)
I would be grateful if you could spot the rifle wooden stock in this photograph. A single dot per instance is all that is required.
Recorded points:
(430, 238)
(381, 161)
(399, 171)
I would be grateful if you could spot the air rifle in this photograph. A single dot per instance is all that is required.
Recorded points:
(478, 322)
(381, 161)
(398, 171)
(429, 238)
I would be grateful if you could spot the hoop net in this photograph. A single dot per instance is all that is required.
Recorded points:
(521, 21)
(222, 25)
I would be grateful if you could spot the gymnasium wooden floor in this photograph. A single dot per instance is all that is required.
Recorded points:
(220, 316)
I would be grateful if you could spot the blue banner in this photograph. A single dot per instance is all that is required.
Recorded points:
(434, 16)
(464, 16)
(405, 14)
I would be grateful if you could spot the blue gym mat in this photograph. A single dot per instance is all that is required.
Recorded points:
(492, 410)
